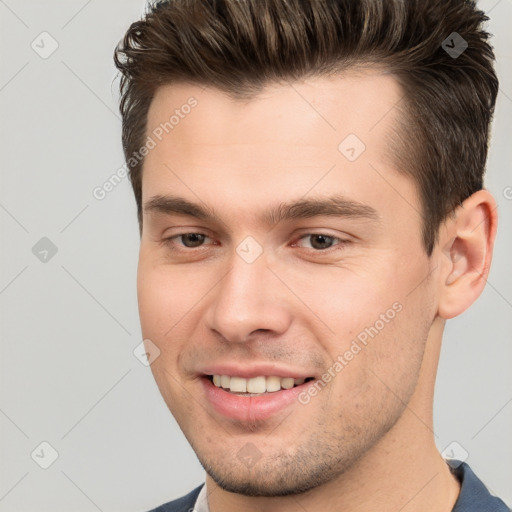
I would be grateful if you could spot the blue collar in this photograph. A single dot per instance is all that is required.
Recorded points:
(474, 496)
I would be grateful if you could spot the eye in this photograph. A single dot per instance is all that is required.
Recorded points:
(322, 241)
(190, 240)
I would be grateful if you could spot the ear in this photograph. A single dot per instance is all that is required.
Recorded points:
(465, 246)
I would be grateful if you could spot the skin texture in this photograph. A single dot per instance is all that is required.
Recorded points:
(364, 442)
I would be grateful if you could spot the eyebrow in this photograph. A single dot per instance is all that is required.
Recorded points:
(336, 206)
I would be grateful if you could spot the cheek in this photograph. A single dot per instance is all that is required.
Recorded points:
(356, 306)
(380, 338)
(394, 356)
(164, 295)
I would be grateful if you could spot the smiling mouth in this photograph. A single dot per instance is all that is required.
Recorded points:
(255, 386)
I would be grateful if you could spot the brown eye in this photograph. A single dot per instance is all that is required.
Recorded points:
(322, 242)
(188, 241)
(192, 239)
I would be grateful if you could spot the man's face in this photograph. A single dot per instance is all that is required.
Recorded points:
(248, 298)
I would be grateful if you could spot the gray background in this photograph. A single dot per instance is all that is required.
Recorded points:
(70, 324)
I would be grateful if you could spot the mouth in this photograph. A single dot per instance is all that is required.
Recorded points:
(253, 399)
(255, 386)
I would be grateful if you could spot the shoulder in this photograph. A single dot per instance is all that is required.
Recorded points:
(183, 504)
(474, 495)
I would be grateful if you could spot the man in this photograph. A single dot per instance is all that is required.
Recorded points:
(308, 177)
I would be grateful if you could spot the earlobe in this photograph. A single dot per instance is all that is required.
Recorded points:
(467, 252)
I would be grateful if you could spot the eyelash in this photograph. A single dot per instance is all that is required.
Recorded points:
(170, 242)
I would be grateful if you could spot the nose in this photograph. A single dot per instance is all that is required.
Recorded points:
(249, 298)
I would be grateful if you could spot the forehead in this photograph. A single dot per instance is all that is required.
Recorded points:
(321, 135)
(357, 100)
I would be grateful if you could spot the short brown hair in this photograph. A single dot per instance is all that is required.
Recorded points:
(239, 46)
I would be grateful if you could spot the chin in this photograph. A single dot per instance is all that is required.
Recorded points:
(252, 486)
(283, 477)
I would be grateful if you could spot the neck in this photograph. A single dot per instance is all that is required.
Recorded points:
(402, 472)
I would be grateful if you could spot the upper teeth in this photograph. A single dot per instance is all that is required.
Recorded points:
(256, 384)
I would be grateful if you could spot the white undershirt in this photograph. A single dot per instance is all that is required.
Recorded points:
(201, 504)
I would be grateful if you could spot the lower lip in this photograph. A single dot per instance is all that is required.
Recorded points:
(250, 408)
